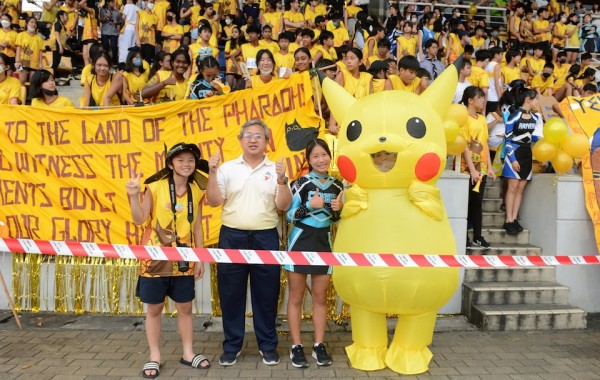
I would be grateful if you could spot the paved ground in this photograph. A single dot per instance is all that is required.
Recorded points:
(99, 347)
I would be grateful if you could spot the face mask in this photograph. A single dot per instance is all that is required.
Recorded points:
(546, 75)
(1, 69)
(170, 18)
(49, 92)
(228, 21)
(563, 20)
(137, 62)
(495, 34)
(336, 24)
(150, 6)
(31, 29)
(414, 20)
(5, 23)
(266, 72)
(562, 60)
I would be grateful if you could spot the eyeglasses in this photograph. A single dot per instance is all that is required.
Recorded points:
(249, 136)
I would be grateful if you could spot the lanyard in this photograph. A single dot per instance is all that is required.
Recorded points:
(190, 207)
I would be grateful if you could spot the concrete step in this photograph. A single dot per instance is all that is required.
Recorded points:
(510, 274)
(515, 293)
(500, 249)
(493, 219)
(491, 204)
(496, 236)
(528, 317)
(493, 192)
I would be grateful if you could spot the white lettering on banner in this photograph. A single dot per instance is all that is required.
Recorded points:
(92, 249)
(406, 260)
(124, 251)
(61, 248)
(219, 255)
(495, 261)
(29, 246)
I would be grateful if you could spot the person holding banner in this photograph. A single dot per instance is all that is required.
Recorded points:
(179, 224)
(316, 204)
(266, 68)
(10, 88)
(170, 85)
(252, 189)
(102, 88)
(43, 93)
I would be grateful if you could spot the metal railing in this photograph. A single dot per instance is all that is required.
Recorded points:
(491, 15)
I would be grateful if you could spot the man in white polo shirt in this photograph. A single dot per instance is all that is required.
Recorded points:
(251, 189)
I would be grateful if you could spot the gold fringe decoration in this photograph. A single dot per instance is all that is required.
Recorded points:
(26, 281)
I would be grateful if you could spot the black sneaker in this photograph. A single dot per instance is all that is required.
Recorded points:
(480, 242)
(229, 358)
(518, 226)
(468, 243)
(320, 353)
(270, 357)
(510, 228)
(297, 356)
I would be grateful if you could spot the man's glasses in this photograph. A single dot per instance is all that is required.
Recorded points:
(249, 136)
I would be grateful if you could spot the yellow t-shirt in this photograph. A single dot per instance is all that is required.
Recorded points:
(340, 34)
(543, 36)
(160, 228)
(9, 88)
(406, 46)
(86, 73)
(572, 41)
(170, 92)
(397, 84)
(31, 46)
(560, 29)
(12, 10)
(98, 92)
(230, 66)
(135, 83)
(170, 45)
(257, 82)
(71, 13)
(284, 60)
(479, 77)
(49, 15)
(59, 102)
(477, 42)
(353, 10)
(276, 21)
(560, 73)
(249, 56)
(456, 49)
(378, 85)
(271, 46)
(536, 64)
(510, 74)
(195, 50)
(543, 84)
(90, 26)
(160, 9)
(357, 87)
(216, 29)
(147, 27)
(293, 17)
(11, 37)
(331, 54)
(475, 131)
(194, 16)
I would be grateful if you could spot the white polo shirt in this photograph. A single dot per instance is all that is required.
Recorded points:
(248, 194)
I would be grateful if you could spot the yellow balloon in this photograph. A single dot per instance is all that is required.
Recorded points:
(457, 146)
(472, 10)
(543, 150)
(452, 129)
(555, 130)
(459, 113)
(562, 162)
(576, 145)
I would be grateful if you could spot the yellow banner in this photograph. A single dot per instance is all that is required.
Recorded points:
(63, 172)
(583, 116)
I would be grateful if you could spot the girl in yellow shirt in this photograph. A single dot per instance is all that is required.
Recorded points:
(10, 88)
(573, 43)
(233, 55)
(43, 91)
(29, 51)
(102, 88)
(135, 77)
(163, 87)
(266, 68)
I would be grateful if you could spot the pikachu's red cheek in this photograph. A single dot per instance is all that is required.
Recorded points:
(347, 168)
(427, 167)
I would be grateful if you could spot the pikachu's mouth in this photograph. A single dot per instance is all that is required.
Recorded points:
(384, 161)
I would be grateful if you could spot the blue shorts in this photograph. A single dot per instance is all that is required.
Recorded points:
(153, 290)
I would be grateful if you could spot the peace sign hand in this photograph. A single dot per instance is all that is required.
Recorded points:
(133, 185)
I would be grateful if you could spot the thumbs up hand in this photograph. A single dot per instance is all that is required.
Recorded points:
(280, 170)
(213, 162)
(316, 201)
(337, 203)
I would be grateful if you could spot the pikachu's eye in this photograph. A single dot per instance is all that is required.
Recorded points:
(354, 130)
(416, 127)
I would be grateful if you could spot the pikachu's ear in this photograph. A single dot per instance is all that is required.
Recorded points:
(338, 99)
(439, 95)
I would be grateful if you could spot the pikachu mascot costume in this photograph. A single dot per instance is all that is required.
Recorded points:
(392, 149)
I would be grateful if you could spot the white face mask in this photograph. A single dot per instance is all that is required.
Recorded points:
(5, 23)
(31, 29)
(150, 6)
(228, 21)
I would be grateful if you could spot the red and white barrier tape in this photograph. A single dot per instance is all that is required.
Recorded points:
(120, 251)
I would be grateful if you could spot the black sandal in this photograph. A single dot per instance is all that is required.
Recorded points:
(196, 362)
(151, 366)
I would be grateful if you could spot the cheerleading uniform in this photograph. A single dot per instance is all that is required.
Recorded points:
(311, 231)
(518, 136)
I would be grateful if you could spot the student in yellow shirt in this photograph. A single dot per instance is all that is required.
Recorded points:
(311, 12)
(512, 70)
(135, 77)
(340, 33)
(561, 70)
(266, 41)
(10, 88)
(370, 47)
(202, 46)
(479, 77)
(292, 18)
(172, 33)
(543, 83)
(559, 36)
(8, 41)
(535, 64)
(174, 86)
(478, 40)
(407, 42)
(383, 52)
(325, 49)
(43, 92)
(233, 55)
(273, 17)
(250, 49)
(146, 31)
(542, 30)
(284, 58)
(406, 79)
(572, 45)
(30, 47)
(266, 70)
(102, 88)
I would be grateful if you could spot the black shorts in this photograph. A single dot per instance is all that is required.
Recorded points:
(572, 50)
(88, 41)
(559, 48)
(153, 290)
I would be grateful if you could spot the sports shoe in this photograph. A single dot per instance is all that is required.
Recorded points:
(480, 242)
(518, 226)
(510, 228)
(270, 357)
(229, 358)
(297, 356)
(320, 353)
(468, 243)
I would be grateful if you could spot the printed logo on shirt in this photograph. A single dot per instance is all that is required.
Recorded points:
(268, 176)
